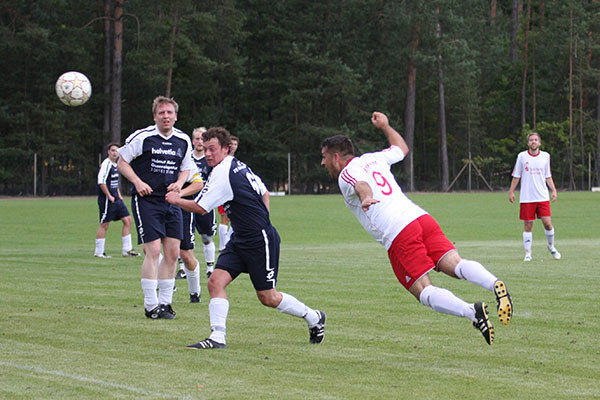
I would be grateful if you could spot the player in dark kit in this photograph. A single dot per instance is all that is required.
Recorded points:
(254, 245)
(205, 224)
(110, 203)
(157, 160)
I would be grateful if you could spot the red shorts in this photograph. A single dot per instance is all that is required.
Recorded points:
(221, 210)
(417, 249)
(530, 210)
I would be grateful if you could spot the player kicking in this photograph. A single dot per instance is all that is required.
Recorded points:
(254, 245)
(413, 239)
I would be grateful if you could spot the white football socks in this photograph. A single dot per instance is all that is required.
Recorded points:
(527, 239)
(126, 243)
(99, 247)
(292, 306)
(550, 238)
(150, 298)
(193, 279)
(444, 301)
(217, 310)
(165, 291)
(222, 236)
(476, 273)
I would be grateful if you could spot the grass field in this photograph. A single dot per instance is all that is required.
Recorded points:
(72, 326)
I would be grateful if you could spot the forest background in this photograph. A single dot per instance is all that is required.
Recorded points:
(460, 79)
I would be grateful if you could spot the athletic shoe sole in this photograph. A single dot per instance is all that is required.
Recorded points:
(504, 303)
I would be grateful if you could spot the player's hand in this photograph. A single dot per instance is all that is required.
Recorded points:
(111, 199)
(174, 187)
(511, 197)
(142, 188)
(553, 196)
(368, 202)
(172, 197)
(380, 120)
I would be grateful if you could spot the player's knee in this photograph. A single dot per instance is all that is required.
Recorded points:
(205, 239)
(268, 299)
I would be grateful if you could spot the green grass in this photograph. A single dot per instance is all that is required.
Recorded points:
(72, 326)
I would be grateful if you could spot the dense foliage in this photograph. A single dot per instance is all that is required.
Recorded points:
(283, 75)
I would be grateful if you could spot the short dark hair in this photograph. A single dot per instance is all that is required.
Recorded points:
(108, 146)
(339, 144)
(235, 138)
(222, 135)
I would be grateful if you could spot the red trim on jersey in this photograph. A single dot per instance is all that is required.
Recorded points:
(534, 155)
(348, 178)
(349, 162)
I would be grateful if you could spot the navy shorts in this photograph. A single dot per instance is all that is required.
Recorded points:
(257, 256)
(189, 237)
(206, 224)
(155, 218)
(112, 211)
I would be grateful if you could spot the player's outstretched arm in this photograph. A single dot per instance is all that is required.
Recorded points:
(174, 198)
(365, 195)
(381, 121)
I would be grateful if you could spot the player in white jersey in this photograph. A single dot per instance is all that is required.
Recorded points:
(532, 169)
(111, 205)
(413, 239)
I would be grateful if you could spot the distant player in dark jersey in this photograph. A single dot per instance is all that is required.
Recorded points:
(254, 245)
(110, 203)
(190, 266)
(205, 224)
(157, 160)
(225, 230)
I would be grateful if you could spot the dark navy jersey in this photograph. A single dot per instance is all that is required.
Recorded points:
(108, 175)
(203, 167)
(156, 159)
(234, 185)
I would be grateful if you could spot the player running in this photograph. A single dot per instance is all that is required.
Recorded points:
(254, 245)
(413, 239)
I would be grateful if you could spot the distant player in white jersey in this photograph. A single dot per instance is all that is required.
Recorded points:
(254, 244)
(414, 241)
(532, 169)
(157, 160)
(111, 205)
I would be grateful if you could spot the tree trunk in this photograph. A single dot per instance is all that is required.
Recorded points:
(514, 24)
(117, 73)
(172, 49)
(597, 158)
(571, 175)
(493, 11)
(524, 80)
(442, 117)
(107, 60)
(409, 110)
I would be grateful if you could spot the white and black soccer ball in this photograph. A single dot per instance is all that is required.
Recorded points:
(73, 88)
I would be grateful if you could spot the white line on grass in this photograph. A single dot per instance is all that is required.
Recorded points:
(85, 379)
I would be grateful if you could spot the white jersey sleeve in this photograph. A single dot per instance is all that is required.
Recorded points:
(133, 146)
(104, 171)
(386, 219)
(217, 190)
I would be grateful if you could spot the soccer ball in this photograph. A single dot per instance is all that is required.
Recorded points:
(73, 88)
